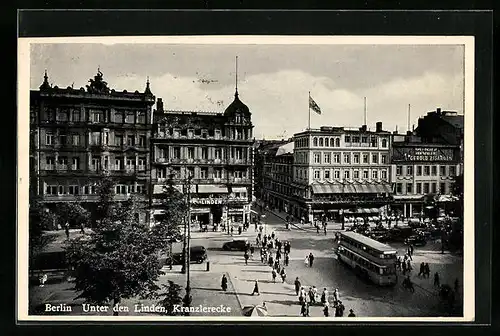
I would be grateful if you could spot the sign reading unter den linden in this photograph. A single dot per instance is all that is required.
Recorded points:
(423, 154)
(207, 201)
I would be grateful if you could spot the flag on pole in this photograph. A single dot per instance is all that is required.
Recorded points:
(314, 106)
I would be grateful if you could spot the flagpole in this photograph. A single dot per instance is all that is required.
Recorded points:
(309, 104)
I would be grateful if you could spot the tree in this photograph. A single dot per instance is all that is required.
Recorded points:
(171, 297)
(73, 213)
(119, 259)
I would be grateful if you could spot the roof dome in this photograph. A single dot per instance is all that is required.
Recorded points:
(237, 106)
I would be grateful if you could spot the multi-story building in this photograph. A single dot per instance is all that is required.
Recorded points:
(215, 150)
(341, 171)
(278, 176)
(80, 135)
(420, 168)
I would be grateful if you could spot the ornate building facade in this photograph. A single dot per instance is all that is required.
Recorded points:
(80, 135)
(215, 150)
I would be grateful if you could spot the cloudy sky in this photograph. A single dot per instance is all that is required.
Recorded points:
(273, 80)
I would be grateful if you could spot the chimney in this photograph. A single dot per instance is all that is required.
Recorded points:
(438, 110)
(363, 128)
(378, 126)
(159, 105)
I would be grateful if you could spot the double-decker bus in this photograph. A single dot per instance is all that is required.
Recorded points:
(368, 257)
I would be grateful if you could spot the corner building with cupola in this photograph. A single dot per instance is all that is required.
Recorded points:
(214, 151)
(77, 136)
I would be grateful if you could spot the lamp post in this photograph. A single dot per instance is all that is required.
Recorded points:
(187, 298)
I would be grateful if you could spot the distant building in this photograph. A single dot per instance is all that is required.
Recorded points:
(422, 169)
(277, 178)
(216, 150)
(340, 171)
(80, 135)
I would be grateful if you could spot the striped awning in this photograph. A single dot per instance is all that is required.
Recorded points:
(327, 188)
(211, 189)
(362, 211)
(349, 189)
(160, 188)
(239, 189)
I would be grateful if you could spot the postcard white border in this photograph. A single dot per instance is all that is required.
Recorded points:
(23, 165)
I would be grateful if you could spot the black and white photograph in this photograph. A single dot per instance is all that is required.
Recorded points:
(269, 178)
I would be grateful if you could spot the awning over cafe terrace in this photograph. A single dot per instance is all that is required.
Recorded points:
(362, 211)
(211, 189)
(351, 188)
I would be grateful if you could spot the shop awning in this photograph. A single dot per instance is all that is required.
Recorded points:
(240, 190)
(365, 188)
(349, 189)
(327, 188)
(160, 188)
(211, 189)
(362, 211)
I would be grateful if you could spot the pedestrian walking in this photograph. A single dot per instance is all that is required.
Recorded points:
(409, 253)
(403, 265)
(427, 270)
(297, 285)
(273, 235)
(223, 283)
(66, 229)
(262, 256)
(351, 313)
(283, 275)
(324, 296)
(274, 275)
(232, 230)
(306, 260)
(302, 295)
(311, 259)
(408, 265)
(276, 265)
(307, 310)
(271, 261)
(324, 228)
(246, 257)
(256, 288)
(336, 296)
(315, 293)
(312, 299)
(239, 230)
(436, 279)
(287, 259)
(255, 226)
(422, 269)
(82, 228)
(339, 309)
(411, 250)
(278, 255)
(252, 250)
(317, 228)
(326, 310)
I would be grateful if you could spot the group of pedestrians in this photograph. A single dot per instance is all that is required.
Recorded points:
(403, 264)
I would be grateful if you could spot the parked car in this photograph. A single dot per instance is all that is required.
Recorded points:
(235, 245)
(398, 234)
(416, 240)
(197, 254)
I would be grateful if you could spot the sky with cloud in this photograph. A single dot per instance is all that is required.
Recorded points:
(273, 80)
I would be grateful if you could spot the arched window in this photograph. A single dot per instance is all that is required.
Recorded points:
(332, 144)
(315, 142)
(321, 142)
(337, 142)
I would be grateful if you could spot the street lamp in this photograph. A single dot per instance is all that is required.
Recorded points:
(187, 298)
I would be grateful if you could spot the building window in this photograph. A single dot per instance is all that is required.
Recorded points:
(384, 143)
(327, 158)
(141, 118)
(332, 142)
(131, 164)
(315, 142)
(139, 189)
(119, 117)
(161, 173)
(399, 188)
(409, 170)
(383, 159)
(317, 158)
(121, 189)
(426, 188)
(190, 153)
(96, 164)
(142, 141)
(355, 139)
(434, 187)
(118, 139)
(130, 140)
(433, 170)
(347, 138)
(97, 116)
(239, 154)
(399, 170)
(347, 174)
(365, 158)
(75, 140)
(384, 174)
(336, 158)
(364, 139)
(217, 173)
(409, 188)
(442, 188)
(337, 142)
(452, 170)
(327, 174)
(63, 139)
(76, 163)
(321, 142)
(365, 174)
(190, 172)
(356, 174)
(419, 188)
(177, 152)
(73, 190)
(204, 153)
(427, 170)
(95, 138)
(346, 158)
(336, 174)
(62, 115)
(75, 115)
(374, 141)
(118, 163)
(142, 163)
(419, 170)
(218, 153)
(51, 190)
(62, 162)
(355, 158)
(129, 119)
(374, 158)
(89, 189)
(374, 174)
(442, 170)
(49, 163)
(203, 173)
(49, 139)
(316, 174)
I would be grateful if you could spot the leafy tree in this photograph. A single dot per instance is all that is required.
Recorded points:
(73, 213)
(171, 297)
(119, 259)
